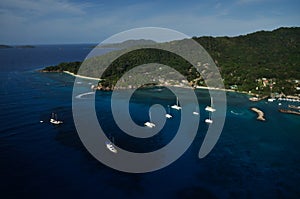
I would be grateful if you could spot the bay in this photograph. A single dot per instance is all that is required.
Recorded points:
(251, 159)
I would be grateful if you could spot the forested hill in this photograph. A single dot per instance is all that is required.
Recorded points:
(271, 54)
(242, 60)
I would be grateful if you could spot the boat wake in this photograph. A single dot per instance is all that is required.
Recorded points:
(236, 113)
(84, 94)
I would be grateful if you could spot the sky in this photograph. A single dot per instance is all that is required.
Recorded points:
(66, 21)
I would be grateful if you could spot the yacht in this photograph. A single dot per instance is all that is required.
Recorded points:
(195, 113)
(176, 106)
(167, 114)
(210, 108)
(110, 146)
(209, 120)
(149, 124)
(54, 120)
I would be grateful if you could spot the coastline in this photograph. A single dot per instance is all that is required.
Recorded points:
(197, 87)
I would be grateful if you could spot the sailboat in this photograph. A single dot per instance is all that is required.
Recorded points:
(209, 120)
(110, 146)
(210, 108)
(167, 114)
(149, 124)
(176, 106)
(196, 112)
(54, 120)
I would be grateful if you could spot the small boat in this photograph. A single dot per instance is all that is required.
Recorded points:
(54, 120)
(209, 120)
(271, 99)
(167, 114)
(110, 146)
(149, 124)
(210, 108)
(196, 112)
(176, 106)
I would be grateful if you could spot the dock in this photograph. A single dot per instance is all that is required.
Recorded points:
(261, 114)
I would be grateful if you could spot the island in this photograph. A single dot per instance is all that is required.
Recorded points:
(5, 46)
(262, 64)
(19, 46)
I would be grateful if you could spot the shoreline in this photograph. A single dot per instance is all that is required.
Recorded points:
(197, 87)
(223, 89)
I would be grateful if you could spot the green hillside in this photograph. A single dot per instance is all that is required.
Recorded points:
(252, 62)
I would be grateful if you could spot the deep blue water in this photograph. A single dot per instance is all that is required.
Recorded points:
(252, 159)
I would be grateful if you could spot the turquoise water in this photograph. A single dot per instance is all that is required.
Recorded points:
(252, 159)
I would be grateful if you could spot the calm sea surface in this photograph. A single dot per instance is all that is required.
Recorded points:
(252, 159)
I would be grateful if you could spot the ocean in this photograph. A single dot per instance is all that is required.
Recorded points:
(251, 159)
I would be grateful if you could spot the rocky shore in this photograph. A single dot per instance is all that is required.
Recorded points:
(259, 113)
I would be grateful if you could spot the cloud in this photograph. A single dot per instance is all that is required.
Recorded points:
(55, 21)
(251, 1)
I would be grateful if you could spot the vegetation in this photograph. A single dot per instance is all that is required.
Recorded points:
(70, 66)
(243, 61)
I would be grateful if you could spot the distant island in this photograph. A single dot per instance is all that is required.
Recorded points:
(21, 46)
(259, 63)
(5, 46)
(25, 46)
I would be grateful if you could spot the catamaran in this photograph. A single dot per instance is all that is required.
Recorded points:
(176, 106)
(54, 120)
(210, 108)
(149, 124)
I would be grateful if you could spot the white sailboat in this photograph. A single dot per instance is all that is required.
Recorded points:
(209, 120)
(54, 120)
(176, 106)
(149, 124)
(110, 146)
(196, 112)
(210, 108)
(167, 114)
